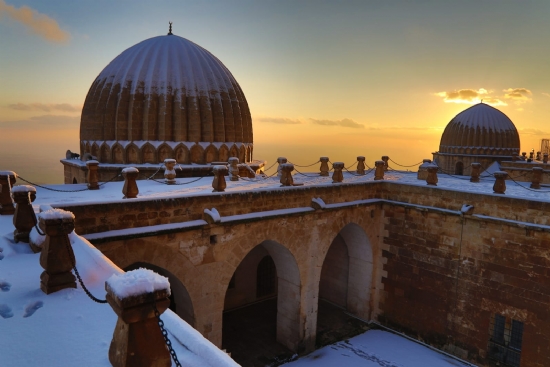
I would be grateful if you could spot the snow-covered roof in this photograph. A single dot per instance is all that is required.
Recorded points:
(66, 328)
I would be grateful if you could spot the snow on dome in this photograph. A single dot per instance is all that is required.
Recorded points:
(480, 129)
(23, 188)
(56, 214)
(163, 90)
(136, 282)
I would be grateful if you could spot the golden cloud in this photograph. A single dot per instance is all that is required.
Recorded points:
(546, 94)
(343, 123)
(470, 96)
(65, 107)
(518, 95)
(37, 23)
(278, 120)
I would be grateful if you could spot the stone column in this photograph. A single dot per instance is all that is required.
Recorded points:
(524, 155)
(476, 167)
(500, 182)
(537, 178)
(169, 172)
(337, 175)
(281, 161)
(385, 158)
(422, 169)
(57, 257)
(286, 178)
(531, 154)
(545, 158)
(324, 166)
(24, 218)
(379, 170)
(137, 338)
(219, 183)
(93, 177)
(130, 189)
(360, 165)
(7, 179)
(234, 168)
(431, 178)
(538, 156)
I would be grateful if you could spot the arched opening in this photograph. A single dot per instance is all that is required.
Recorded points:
(459, 168)
(180, 301)
(345, 286)
(262, 306)
(74, 180)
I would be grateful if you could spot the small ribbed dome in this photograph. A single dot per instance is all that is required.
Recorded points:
(167, 91)
(480, 129)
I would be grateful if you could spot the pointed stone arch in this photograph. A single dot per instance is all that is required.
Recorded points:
(95, 150)
(249, 153)
(87, 148)
(197, 154)
(105, 153)
(117, 154)
(181, 154)
(148, 154)
(211, 154)
(288, 289)
(164, 152)
(224, 153)
(234, 151)
(132, 154)
(82, 148)
(242, 154)
(347, 271)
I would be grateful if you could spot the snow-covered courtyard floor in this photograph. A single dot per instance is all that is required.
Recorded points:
(377, 348)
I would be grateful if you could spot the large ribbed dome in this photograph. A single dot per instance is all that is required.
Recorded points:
(481, 130)
(166, 97)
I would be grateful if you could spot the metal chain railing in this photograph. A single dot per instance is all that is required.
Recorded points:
(406, 166)
(309, 165)
(57, 190)
(165, 336)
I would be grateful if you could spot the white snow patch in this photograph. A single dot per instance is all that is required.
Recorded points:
(56, 214)
(136, 282)
(23, 188)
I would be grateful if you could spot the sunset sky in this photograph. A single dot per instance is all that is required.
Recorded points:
(336, 78)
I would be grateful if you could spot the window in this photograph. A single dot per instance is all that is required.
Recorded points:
(505, 342)
(265, 277)
(459, 168)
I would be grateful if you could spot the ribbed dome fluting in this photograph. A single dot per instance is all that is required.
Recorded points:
(165, 90)
(480, 129)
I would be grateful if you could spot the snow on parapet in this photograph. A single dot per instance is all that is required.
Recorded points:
(318, 203)
(56, 214)
(23, 188)
(136, 282)
(130, 169)
(8, 173)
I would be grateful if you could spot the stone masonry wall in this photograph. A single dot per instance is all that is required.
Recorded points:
(444, 290)
(133, 213)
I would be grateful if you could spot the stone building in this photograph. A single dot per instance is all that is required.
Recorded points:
(480, 134)
(165, 97)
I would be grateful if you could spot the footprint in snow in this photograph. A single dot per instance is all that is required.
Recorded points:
(5, 311)
(32, 307)
(4, 286)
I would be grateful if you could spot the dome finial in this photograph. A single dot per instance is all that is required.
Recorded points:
(170, 29)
